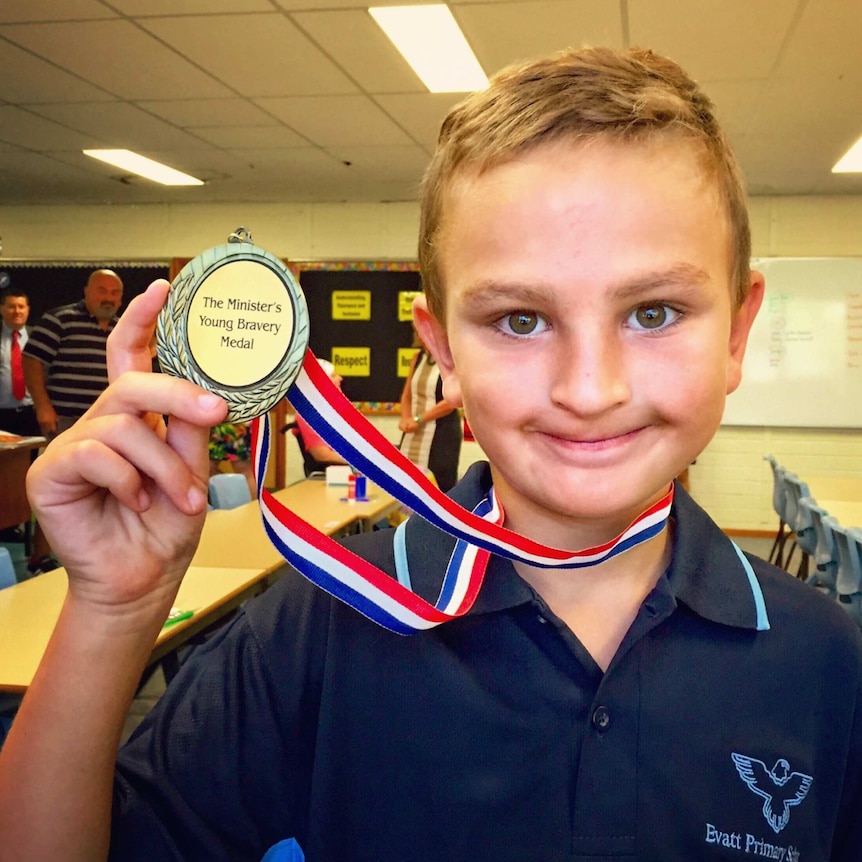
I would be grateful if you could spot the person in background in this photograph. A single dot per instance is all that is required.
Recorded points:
(314, 444)
(588, 296)
(17, 414)
(16, 405)
(64, 361)
(431, 425)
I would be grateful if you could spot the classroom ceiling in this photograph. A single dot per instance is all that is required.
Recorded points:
(305, 100)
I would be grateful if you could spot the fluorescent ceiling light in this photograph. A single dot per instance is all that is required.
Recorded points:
(144, 167)
(851, 161)
(430, 40)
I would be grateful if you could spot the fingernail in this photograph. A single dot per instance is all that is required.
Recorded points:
(196, 499)
(208, 401)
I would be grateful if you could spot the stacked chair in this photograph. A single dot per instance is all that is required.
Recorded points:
(799, 521)
(779, 503)
(848, 582)
(834, 550)
(228, 490)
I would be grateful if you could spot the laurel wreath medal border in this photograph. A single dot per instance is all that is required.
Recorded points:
(244, 403)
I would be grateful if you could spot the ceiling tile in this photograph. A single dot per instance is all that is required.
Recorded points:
(827, 40)
(129, 63)
(714, 40)
(398, 162)
(361, 49)
(117, 124)
(27, 130)
(736, 104)
(263, 55)
(180, 78)
(145, 8)
(336, 120)
(295, 5)
(28, 11)
(265, 137)
(503, 33)
(26, 78)
(420, 115)
(193, 113)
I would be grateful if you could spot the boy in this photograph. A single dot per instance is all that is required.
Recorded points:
(584, 246)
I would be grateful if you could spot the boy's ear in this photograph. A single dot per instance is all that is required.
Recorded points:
(740, 329)
(433, 334)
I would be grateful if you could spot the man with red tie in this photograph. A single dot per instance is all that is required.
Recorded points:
(16, 406)
(17, 414)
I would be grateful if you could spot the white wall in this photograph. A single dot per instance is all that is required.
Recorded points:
(162, 232)
(730, 478)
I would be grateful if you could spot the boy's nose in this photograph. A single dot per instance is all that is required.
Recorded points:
(590, 375)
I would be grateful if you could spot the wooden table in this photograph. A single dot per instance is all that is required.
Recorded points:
(831, 487)
(235, 537)
(848, 513)
(29, 611)
(15, 459)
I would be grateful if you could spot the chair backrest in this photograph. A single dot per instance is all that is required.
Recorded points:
(807, 535)
(849, 577)
(7, 569)
(228, 490)
(795, 489)
(854, 546)
(310, 465)
(825, 552)
(778, 487)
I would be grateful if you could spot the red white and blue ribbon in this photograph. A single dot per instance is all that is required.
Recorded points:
(362, 585)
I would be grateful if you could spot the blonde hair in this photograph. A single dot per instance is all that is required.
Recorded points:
(580, 95)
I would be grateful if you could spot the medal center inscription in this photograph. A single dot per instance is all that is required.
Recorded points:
(240, 323)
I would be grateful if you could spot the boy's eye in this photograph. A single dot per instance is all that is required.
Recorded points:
(655, 316)
(522, 323)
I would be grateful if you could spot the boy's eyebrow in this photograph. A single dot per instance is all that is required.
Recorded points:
(680, 275)
(684, 275)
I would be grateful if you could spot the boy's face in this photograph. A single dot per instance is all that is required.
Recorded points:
(589, 333)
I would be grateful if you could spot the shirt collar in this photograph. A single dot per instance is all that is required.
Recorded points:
(708, 573)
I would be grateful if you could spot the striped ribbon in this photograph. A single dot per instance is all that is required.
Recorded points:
(479, 533)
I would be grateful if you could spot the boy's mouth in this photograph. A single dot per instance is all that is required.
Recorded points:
(596, 442)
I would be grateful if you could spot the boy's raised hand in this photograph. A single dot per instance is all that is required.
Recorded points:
(121, 497)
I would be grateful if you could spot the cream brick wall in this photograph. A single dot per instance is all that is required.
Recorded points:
(734, 484)
(730, 478)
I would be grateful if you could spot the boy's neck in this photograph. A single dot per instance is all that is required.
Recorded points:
(599, 603)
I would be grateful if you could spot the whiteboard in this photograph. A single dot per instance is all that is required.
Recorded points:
(803, 366)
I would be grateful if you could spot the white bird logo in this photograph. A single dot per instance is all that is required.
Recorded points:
(780, 788)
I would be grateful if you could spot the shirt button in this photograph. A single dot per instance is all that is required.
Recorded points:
(541, 619)
(601, 718)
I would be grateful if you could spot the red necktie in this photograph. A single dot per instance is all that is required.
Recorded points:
(18, 388)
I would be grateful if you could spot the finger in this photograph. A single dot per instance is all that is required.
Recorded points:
(139, 393)
(190, 442)
(141, 453)
(75, 469)
(129, 342)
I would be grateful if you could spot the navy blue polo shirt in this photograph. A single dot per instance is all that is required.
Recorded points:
(726, 727)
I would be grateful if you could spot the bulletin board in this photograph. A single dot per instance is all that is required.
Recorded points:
(360, 321)
(803, 366)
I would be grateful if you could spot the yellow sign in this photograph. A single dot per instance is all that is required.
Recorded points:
(352, 361)
(405, 303)
(351, 305)
(405, 357)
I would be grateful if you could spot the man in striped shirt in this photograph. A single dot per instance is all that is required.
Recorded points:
(64, 360)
